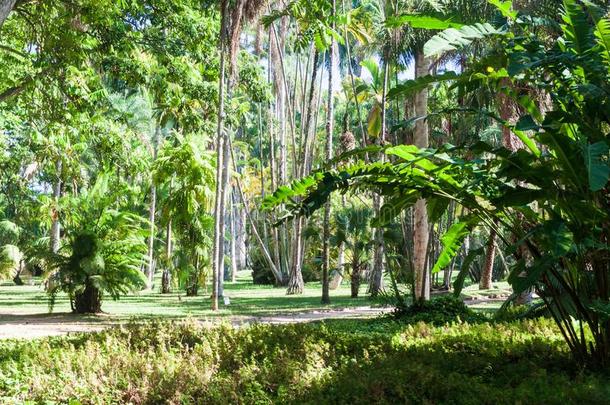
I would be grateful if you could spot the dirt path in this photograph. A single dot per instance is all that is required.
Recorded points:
(36, 326)
(40, 325)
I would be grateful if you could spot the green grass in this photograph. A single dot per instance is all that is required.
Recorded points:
(246, 300)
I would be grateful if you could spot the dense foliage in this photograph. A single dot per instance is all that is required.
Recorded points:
(552, 194)
(352, 362)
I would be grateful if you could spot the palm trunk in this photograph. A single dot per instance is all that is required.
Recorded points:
(150, 265)
(355, 278)
(166, 277)
(329, 155)
(226, 159)
(421, 228)
(89, 301)
(376, 282)
(217, 252)
(234, 232)
(295, 282)
(486, 274)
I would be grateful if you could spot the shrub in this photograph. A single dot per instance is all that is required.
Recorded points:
(381, 362)
(438, 311)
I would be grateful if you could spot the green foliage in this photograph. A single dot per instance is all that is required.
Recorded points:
(105, 247)
(336, 362)
(437, 311)
(9, 232)
(187, 170)
(552, 198)
(10, 256)
(452, 241)
(452, 39)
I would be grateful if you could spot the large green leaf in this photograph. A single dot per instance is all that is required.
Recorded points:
(413, 86)
(505, 7)
(393, 207)
(452, 241)
(598, 165)
(577, 28)
(425, 22)
(373, 127)
(458, 284)
(453, 39)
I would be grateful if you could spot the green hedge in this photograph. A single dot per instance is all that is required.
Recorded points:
(352, 362)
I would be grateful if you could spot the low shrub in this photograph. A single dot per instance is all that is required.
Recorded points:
(518, 312)
(437, 311)
(380, 361)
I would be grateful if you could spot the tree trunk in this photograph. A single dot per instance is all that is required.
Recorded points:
(420, 231)
(55, 224)
(295, 282)
(487, 273)
(376, 281)
(17, 279)
(6, 6)
(217, 252)
(150, 265)
(89, 301)
(355, 278)
(234, 232)
(226, 159)
(166, 277)
(376, 277)
(329, 154)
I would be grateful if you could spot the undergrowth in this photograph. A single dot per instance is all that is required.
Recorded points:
(374, 361)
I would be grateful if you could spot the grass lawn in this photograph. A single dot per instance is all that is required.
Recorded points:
(246, 300)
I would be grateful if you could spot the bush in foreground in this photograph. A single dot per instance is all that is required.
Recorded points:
(338, 362)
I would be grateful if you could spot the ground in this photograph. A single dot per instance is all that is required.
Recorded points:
(24, 310)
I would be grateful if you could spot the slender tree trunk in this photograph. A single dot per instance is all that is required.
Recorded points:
(421, 228)
(6, 6)
(376, 282)
(218, 253)
(295, 282)
(150, 265)
(226, 159)
(487, 273)
(329, 154)
(234, 232)
(355, 278)
(166, 278)
(55, 224)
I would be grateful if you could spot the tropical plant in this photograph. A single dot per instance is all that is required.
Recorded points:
(187, 169)
(353, 229)
(104, 251)
(552, 195)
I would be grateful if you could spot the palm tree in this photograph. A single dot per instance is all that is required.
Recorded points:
(353, 230)
(105, 250)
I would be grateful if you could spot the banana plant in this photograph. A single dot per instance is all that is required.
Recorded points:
(553, 195)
